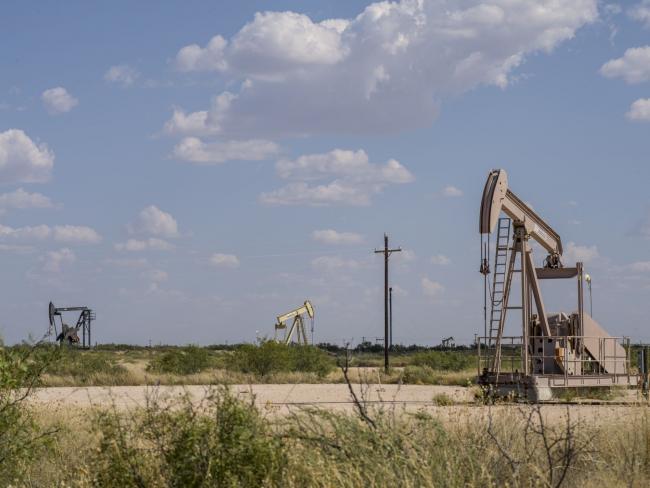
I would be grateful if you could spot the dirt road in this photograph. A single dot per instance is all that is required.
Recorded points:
(265, 395)
(281, 399)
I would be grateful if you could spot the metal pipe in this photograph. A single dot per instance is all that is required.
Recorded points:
(581, 329)
(523, 246)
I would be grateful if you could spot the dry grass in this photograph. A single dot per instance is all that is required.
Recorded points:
(504, 447)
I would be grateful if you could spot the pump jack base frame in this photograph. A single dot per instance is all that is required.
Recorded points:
(542, 388)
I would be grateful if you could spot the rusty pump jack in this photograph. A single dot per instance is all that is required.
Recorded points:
(298, 324)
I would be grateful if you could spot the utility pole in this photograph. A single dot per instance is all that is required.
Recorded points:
(390, 313)
(386, 252)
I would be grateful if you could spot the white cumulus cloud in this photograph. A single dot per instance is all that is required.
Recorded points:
(331, 236)
(135, 245)
(335, 193)
(352, 165)
(77, 234)
(208, 58)
(269, 47)
(333, 263)
(58, 100)
(354, 180)
(641, 12)
(633, 66)
(27, 233)
(431, 288)
(451, 191)
(122, 74)
(575, 253)
(22, 160)
(154, 221)
(385, 70)
(406, 256)
(194, 150)
(639, 110)
(221, 260)
(69, 234)
(53, 261)
(22, 199)
(440, 260)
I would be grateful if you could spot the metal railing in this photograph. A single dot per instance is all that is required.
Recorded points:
(558, 356)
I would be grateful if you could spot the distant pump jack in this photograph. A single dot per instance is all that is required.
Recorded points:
(69, 334)
(297, 326)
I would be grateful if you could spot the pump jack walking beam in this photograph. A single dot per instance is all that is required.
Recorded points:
(496, 198)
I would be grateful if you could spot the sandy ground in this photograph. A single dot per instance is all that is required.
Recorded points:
(265, 395)
(283, 399)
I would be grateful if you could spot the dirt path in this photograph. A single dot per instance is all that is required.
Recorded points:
(265, 395)
(281, 399)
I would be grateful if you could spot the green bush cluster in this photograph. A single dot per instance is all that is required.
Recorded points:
(226, 444)
(444, 360)
(273, 357)
(189, 360)
(85, 365)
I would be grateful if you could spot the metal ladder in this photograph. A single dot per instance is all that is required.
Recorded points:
(499, 285)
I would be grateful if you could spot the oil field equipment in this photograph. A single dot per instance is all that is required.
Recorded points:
(298, 324)
(66, 333)
(448, 343)
(555, 350)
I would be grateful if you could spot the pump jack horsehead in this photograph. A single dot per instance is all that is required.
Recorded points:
(572, 346)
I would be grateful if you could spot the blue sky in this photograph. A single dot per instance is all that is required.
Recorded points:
(192, 169)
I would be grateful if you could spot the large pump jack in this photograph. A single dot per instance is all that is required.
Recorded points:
(556, 350)
(298, 324)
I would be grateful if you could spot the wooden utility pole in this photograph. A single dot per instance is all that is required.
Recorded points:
(386, 252)
(390, 313)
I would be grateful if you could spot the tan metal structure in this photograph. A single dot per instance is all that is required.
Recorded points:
(558, 344)
(298, 324)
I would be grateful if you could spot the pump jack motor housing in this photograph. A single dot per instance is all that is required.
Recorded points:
(555, 350)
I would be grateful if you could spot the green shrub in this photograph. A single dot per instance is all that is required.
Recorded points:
(189, 360)
(273, 357)
(444, 360)
(309, 359)
(419, 375)
(442, 400)
(85, 365)
(21, 440)
(226, 444)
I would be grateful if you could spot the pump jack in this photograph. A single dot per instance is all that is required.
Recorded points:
(556, 350)
(68, 333)
(298, 324)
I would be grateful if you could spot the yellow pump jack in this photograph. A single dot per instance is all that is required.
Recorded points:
(298, 324)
